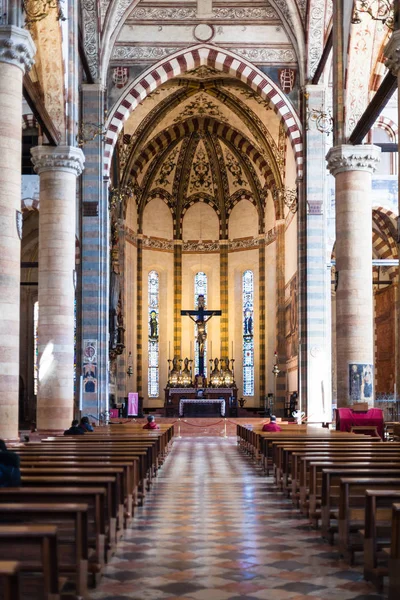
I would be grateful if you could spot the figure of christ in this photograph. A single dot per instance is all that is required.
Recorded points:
(200, 318)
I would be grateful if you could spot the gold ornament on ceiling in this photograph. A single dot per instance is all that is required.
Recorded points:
(201, 173)
(202, 106)
(235, 170)
(166, 169)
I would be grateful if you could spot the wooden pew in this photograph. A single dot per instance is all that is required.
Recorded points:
(35, 548)
(394, 561)
(129, 465)
(9, 580)
(352, 508)
(107, 481)
(378, 523)
(330, 494)
(72, 528)
(93, 497)
(311, 493)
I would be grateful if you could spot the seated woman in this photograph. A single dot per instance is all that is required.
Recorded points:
(10, 475)
(271, 426)
(151, 423)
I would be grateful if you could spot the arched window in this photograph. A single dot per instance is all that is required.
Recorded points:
(35, 348)
(248, 336)
(153, 312)
(200, 289)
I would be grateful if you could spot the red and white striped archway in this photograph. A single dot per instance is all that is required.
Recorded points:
(191, 58)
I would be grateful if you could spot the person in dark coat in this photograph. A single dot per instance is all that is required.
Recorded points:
(74, 429)
(10, 474)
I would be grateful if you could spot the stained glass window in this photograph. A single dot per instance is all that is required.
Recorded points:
(35, 347)
(248, 337)
(200, 288)
(153, 347)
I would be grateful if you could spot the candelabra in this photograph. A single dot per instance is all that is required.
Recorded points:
(88, 131)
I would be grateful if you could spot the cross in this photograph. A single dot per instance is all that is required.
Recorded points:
(200, 318)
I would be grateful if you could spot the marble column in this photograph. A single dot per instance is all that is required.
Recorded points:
(314, 277)
(392, 54)
(95, 259)
(16, 56)
(58, 168)
(352, 167)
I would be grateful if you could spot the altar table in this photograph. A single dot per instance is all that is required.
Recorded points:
(184, 401)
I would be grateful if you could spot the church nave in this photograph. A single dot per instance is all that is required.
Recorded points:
(213, 528)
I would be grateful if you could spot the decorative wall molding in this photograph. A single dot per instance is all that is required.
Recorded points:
(267, 55)
(157, 244)
(91, 36)
(201, 246)
(316, 26)
(392, 53)
(124, 53)
(242, 13)
(264, 55)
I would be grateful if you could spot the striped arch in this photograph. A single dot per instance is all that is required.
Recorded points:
(191, 58)
(237, 197)
(389, 126)
(384, 238)
(28, 204)
(200, 197)
(222, 130)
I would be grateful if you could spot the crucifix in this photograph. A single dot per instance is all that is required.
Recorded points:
(200, 318)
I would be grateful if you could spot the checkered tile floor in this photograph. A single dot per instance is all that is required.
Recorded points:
(213, 528)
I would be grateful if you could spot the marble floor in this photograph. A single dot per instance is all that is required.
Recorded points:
(214, 528)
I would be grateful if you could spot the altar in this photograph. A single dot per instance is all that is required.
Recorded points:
(194, 407)
(224, 399)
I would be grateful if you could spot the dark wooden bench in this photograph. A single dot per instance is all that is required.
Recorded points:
(72, 529)
(35, 548)
(352, 499)
(377, 532)
(394, 559)
(10, 580)
(93, 497)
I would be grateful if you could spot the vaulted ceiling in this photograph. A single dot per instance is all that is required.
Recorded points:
(203, 137)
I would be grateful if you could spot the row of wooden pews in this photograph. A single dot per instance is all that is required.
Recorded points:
(78, 495)
(347, 484)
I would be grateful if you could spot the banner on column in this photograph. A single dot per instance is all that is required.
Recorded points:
(133, 404)
(89, 366)
(361, 382)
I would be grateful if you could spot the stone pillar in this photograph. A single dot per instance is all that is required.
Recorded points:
(58, 168)
(392, 53)
(95, 258)
(16, 56)
(314, 277)
(280, 392)
(352, 167)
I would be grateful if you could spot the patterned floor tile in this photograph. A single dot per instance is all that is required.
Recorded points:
(214, 528)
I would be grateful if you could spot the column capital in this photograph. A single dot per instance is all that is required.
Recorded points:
(363, 157)
(58, 158)
(16, 47)
(392, 52)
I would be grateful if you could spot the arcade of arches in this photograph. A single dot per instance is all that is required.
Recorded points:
(153, 152)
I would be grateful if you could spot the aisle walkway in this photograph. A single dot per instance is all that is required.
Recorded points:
(213, 529)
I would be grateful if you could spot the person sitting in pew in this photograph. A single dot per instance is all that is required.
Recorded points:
(271, 426)
(151, 423)
(10, 474)
(85, 425)
(74, 429)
